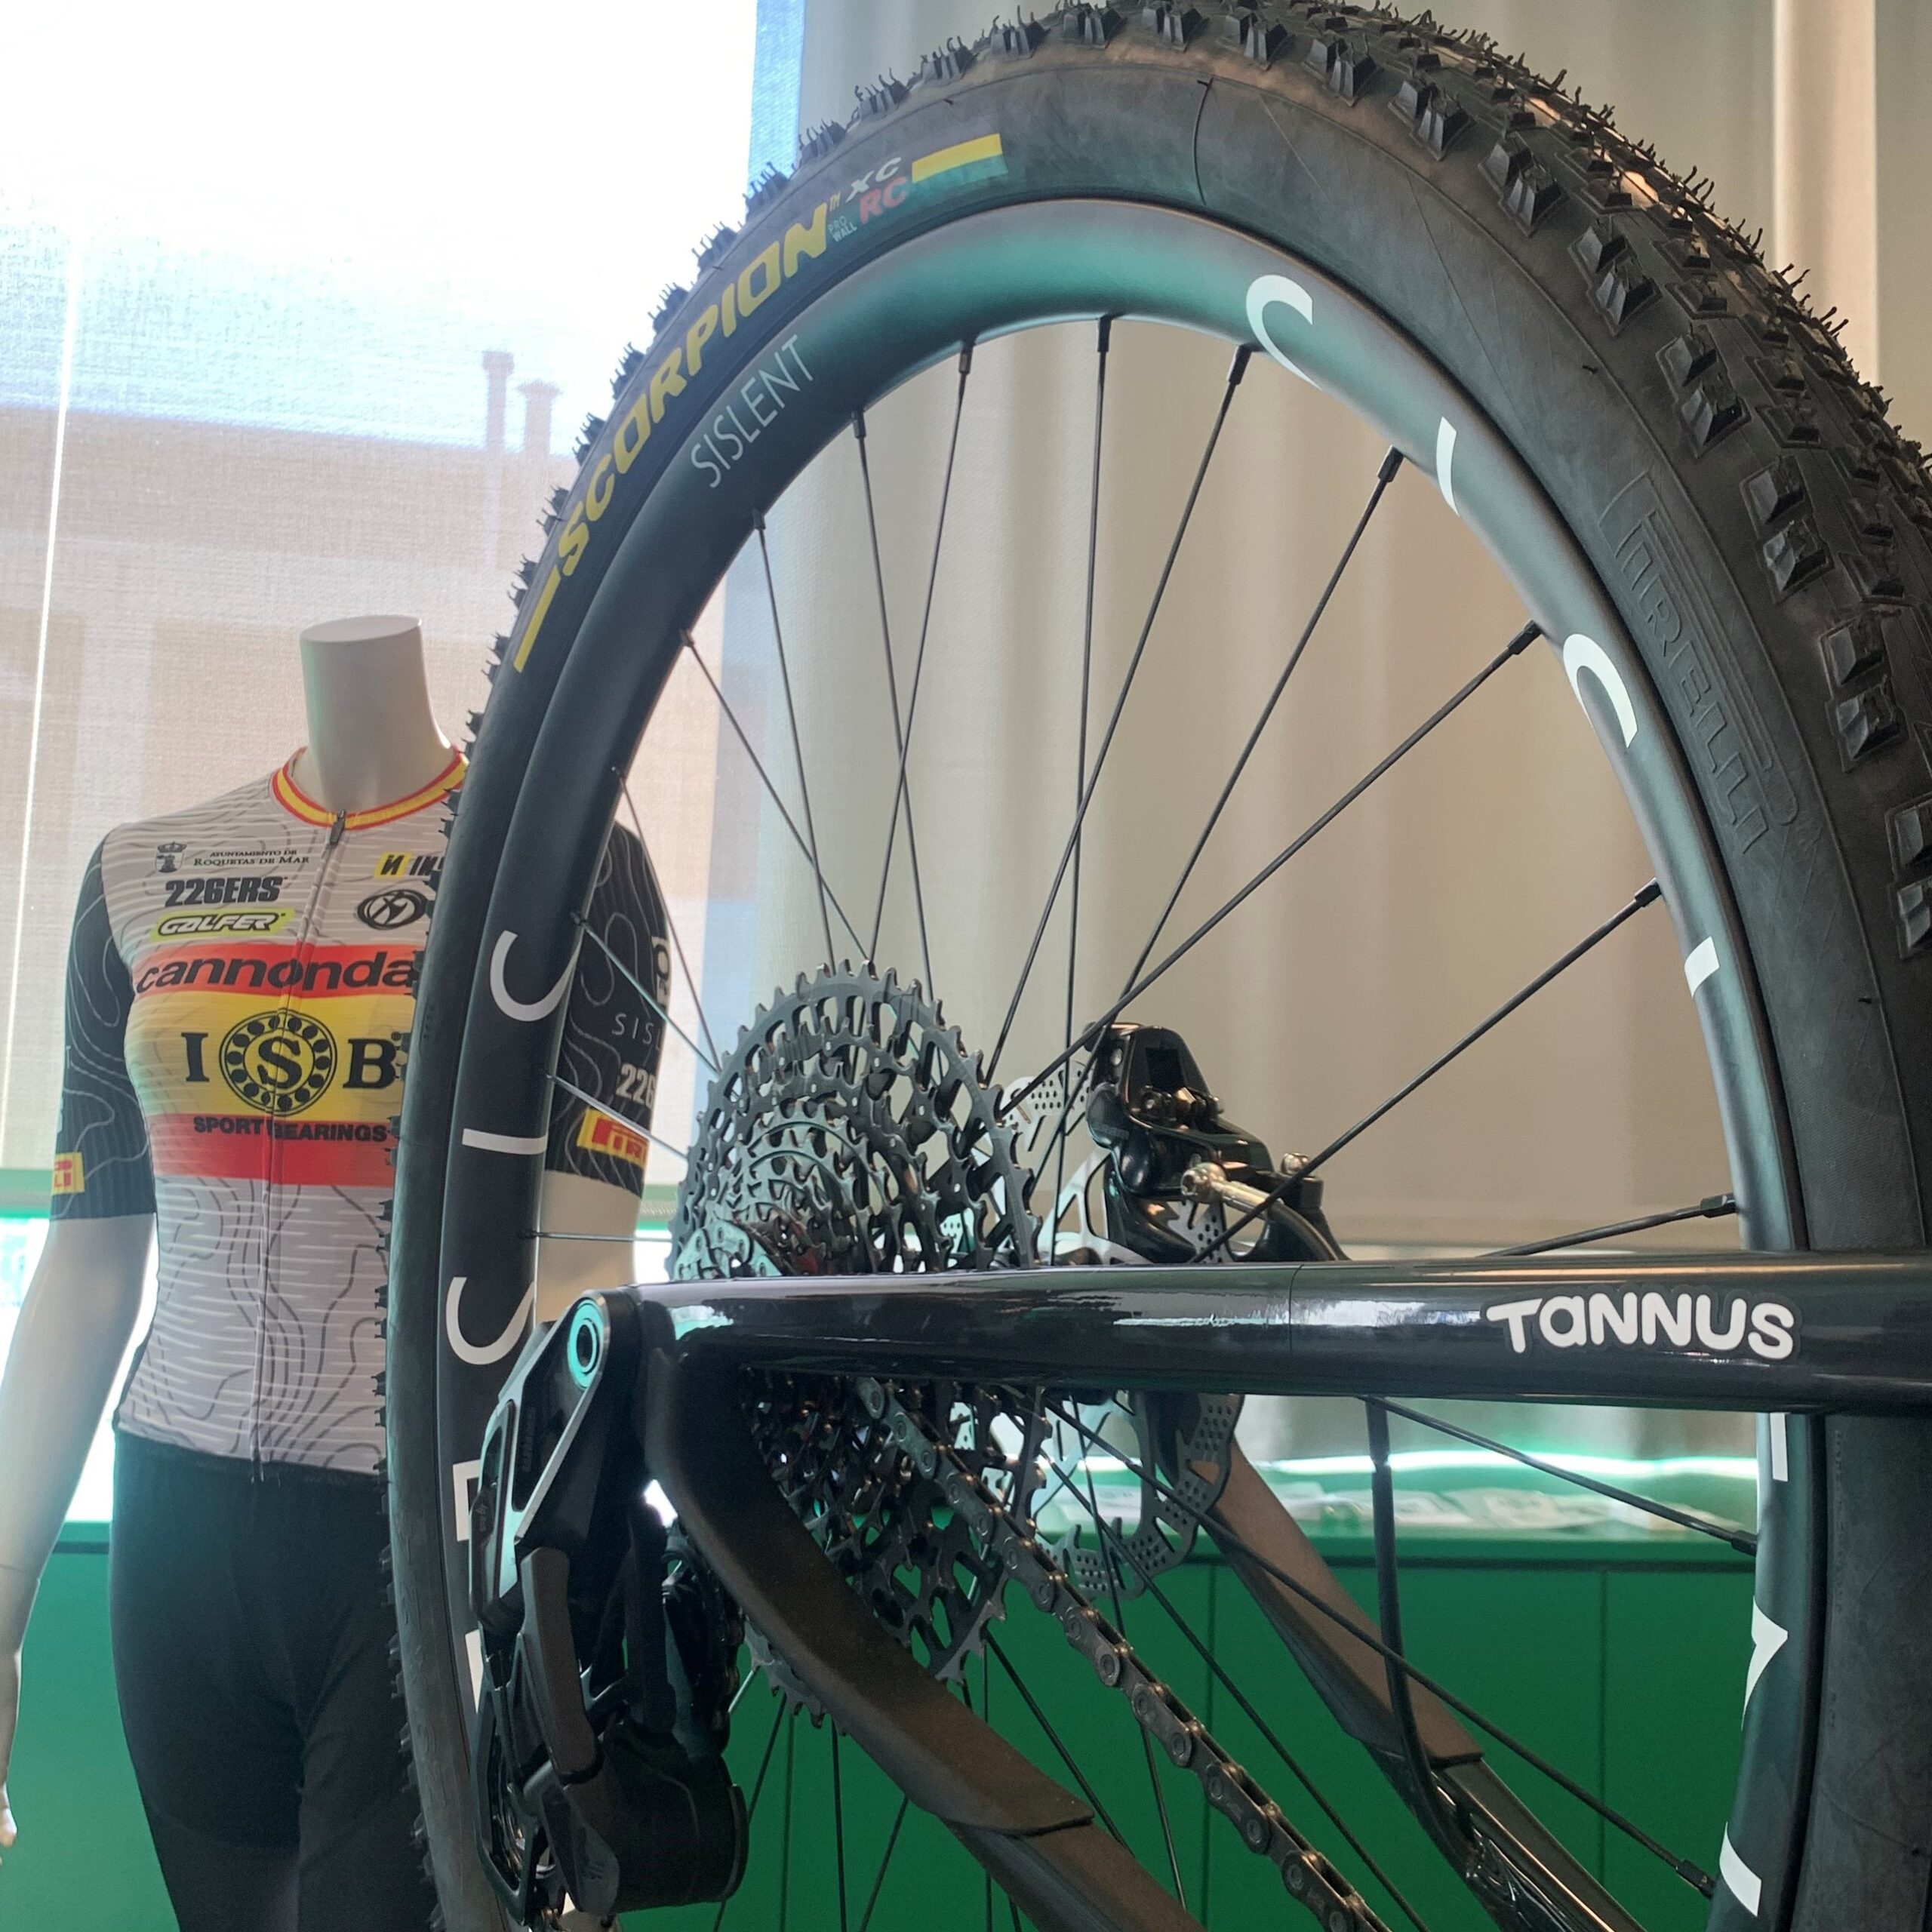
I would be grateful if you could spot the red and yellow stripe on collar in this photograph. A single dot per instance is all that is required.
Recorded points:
(292, 798)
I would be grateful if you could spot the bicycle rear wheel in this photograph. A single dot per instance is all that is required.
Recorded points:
(1703, 511)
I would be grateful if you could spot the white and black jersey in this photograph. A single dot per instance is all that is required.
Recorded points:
(241, 986)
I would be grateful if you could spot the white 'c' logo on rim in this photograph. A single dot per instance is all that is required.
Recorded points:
(1265, 293)
(469, 1351)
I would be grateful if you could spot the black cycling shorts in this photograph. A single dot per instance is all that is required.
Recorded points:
(252, 1638)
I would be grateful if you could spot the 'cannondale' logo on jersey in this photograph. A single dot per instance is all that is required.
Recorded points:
(279, 1062)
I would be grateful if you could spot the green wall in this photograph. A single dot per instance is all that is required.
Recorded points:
(1623, 1663)
(83, 1860)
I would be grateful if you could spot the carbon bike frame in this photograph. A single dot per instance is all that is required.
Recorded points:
(1766, 1333)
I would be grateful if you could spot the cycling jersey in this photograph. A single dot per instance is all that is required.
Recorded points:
(240, 989)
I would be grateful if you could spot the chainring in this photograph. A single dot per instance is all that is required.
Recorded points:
(851, 1132)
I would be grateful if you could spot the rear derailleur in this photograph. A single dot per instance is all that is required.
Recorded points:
(609, 1651)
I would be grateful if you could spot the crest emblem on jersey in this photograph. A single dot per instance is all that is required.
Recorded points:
(167, 856)
(399, 906)
(279, 1062)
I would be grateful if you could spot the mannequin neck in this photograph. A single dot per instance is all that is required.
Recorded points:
(373, 738)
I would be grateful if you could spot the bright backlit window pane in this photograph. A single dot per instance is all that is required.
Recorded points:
(301, 318)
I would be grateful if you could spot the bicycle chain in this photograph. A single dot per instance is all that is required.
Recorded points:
(1309, 1876)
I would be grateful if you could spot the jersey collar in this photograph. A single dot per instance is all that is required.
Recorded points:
(292, 798)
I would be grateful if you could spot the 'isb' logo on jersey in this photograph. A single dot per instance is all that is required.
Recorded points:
(279, 1062)
(282, 1063)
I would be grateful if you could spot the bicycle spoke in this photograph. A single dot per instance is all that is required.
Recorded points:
(1741, 1540)
(771, 791)
(1646, 895)
(900, 795)
(892, 691)
(758, 1791)
(797, 746)
(892, 1845)
(1236, 370)
(1436, 1819)
(986, 1713)
(1080, 758)
(1685, 1870)
(1713, 1207)
(1067, 1124)
(1109, 1557)
(839, 1829)
(985, 1717)
(671, 926)
(1513, 649)
(1219, 1672)
(784, 1845)
(644, 992)
(1040, 1717)
(1386, 475)
(643, 1132)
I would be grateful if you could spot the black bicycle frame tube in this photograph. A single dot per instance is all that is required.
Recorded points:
(1762, 1333)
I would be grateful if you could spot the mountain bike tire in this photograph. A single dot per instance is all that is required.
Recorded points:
(1759, 529)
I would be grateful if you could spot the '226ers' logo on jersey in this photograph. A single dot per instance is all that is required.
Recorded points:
(279, 1062)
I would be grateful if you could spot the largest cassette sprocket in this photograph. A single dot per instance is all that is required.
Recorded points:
(851, 1132)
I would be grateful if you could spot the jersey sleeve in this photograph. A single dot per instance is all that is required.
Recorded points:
(101, 1166)
(613, 1039)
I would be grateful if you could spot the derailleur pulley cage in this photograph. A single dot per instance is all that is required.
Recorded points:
(597, 1770)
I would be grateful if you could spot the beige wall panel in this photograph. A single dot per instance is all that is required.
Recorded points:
(1905, 210)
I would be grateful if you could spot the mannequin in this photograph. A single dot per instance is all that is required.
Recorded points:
(373, 738)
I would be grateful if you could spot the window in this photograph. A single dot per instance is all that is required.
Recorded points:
(301, 316)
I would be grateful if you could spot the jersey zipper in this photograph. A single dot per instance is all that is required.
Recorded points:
(304, 939)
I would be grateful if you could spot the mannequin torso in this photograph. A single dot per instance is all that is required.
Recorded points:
(373, 738)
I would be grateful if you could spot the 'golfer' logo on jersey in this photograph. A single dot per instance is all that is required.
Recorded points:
(401, 905)
(279, 1062)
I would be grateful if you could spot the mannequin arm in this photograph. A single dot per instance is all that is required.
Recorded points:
(73, 1332)
(67, 1349)
(576, 1205)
